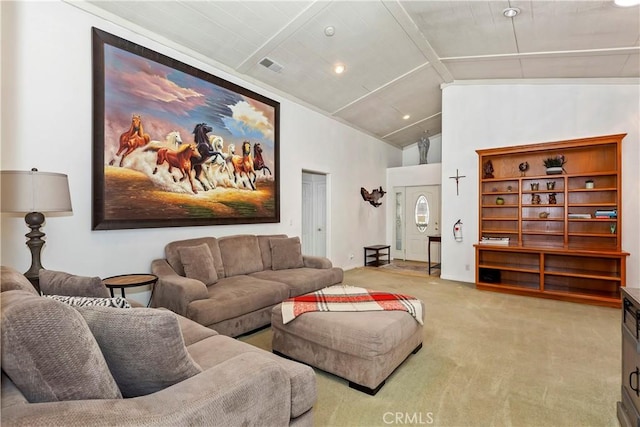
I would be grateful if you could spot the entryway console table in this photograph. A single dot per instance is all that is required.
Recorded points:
(432, 239)
(552, 235)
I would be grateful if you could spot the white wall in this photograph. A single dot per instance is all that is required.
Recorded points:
(485, 115)
(46, 123)
(411, 154)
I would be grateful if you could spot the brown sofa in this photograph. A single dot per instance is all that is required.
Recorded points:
(78, 366)
(242, 278)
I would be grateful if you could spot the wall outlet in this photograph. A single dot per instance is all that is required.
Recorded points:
(350, 256)
(466, 267)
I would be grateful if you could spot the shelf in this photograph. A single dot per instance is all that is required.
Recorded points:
(487, 231)
(614, 236)
(591, 174)
(576, 272)
(546, 233)
(556, 257)
(596, 296)
(511, 267)
(514, 285)
(593, 205)
(589, 190)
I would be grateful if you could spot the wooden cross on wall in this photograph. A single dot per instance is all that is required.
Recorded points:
(457, 178)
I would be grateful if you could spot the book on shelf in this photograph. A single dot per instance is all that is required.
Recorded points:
(579, 216)
(606, 214)
(494, 241)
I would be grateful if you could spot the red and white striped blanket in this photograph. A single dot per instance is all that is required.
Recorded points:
(349, 298)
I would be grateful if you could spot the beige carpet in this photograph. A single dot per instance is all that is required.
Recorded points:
(488, 359)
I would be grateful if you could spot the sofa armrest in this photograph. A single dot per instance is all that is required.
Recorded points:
(248, 389)
(316, 262)
(173, 291)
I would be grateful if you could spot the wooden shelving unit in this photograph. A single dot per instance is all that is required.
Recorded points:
(552, 254)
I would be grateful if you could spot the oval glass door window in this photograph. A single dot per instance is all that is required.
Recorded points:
(422, 213)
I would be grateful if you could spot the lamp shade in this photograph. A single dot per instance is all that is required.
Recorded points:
(34, 191)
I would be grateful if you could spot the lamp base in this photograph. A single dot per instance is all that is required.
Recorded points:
(34, 220)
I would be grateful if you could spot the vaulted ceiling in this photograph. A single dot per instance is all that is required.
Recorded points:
(397, 53)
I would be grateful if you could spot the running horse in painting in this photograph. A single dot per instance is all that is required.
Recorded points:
(244, 164)
(258, 161)
(205, 151)
(132, 139)
(179, 159)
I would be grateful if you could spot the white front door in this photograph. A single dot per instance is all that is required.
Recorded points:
(314, 214)
(422, 219)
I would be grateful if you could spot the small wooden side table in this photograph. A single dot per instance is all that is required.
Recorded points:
(436, 239)
(129, 281)
(375, 254)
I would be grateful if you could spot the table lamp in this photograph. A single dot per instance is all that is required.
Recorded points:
(34, 193)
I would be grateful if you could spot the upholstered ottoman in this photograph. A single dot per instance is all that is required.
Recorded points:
(362, 347)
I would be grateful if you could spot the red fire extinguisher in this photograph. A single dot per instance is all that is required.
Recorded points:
(457, 231)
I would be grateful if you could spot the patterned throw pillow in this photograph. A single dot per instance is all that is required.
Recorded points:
(286, 253)
(117, 302)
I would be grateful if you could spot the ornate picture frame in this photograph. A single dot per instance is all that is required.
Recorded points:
(176, 146)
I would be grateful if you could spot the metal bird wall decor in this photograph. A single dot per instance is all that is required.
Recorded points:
(373, 197)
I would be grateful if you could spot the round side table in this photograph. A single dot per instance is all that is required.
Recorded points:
(129, 281)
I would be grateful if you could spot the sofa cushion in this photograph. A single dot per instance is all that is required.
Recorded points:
(265, 248)
(192, 332)
(240, 254)
(61, 283)
(302, 377)
(11, 279)
(198, 263)
(49, 352)
(173, 256)
(117, 302)
(303, 280)
(286, 253)
(143, 348)
(236, 296)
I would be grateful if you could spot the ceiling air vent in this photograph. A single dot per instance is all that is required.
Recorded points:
(273, 66)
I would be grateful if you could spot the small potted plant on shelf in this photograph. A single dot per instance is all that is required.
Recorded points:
(555, 164)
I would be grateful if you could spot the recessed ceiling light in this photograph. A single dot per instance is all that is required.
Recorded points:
(329, 31)
(339, 68)
(510, 12)
(626, 3)
(406, 117)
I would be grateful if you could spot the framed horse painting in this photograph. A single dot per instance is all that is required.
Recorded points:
(176, 146)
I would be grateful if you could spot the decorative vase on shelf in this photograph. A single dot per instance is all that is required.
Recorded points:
(554, 170)
(499, 201)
